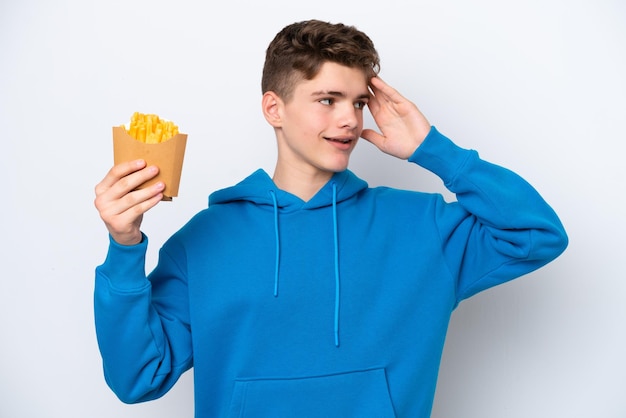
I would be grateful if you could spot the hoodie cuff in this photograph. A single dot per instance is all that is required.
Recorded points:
(124, 266)
(439, 155)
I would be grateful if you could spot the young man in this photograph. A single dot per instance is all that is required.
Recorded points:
(309, 294)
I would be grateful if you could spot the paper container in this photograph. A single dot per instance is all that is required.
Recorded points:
(167, 155)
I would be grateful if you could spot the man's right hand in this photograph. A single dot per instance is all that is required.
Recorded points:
(121, 205)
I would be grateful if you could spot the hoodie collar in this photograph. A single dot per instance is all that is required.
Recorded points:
(255, 187)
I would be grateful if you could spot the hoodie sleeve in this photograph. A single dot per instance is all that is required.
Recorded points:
(500, 227)
(144, 342)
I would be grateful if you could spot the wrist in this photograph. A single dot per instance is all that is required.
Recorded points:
(127, 239)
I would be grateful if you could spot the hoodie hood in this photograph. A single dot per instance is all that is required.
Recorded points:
(260, 189)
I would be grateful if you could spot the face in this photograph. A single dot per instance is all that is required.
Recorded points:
(321, 124)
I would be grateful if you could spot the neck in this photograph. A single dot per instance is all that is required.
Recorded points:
(300, 184)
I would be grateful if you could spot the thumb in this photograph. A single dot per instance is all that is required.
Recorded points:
(374, 138)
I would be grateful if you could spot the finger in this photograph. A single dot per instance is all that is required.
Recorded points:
(385, 91)
(128, 183)
(117, 213)
(124, 194)
(138, 197)
(135, 204)
(377, 82)
(373, 104)
(378, 85)
(117, 172)
(373, 137)
(133, 180)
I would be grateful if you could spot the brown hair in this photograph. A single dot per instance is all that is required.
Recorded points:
(299, 50)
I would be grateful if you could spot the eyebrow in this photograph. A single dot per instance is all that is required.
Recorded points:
(338, 94)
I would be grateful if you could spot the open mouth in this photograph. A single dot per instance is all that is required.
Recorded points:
(340, 140)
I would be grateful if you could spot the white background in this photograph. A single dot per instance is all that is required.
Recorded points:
(537, 86)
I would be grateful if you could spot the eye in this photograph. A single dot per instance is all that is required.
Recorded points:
(360, 105)
(327, 101)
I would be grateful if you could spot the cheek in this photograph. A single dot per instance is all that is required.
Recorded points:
(313, 124)
(303, 120)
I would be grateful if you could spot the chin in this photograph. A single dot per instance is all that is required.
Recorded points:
(339, 168)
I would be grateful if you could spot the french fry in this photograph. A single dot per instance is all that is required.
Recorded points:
(150, 128)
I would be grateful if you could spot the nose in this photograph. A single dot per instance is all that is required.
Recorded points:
(349, 117)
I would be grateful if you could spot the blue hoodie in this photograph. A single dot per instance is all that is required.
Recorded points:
(335, 307)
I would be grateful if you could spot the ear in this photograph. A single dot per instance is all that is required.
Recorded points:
(271, 105)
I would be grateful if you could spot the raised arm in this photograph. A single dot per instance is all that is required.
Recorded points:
(500, 227)
(143, 354)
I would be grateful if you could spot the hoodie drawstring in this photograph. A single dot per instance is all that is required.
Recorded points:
(277, 242)
(336, 257)
(336, 239)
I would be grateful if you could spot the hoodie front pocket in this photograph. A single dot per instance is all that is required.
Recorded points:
(357, 394)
